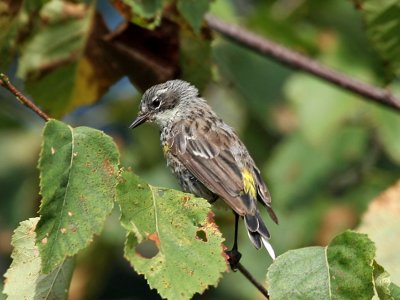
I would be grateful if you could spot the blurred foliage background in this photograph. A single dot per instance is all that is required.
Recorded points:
(324, 153)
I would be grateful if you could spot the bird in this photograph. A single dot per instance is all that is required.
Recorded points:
(207, 157)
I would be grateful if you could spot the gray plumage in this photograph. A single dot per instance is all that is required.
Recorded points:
(206, 155)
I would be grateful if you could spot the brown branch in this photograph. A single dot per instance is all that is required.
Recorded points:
(251, 278)
(5, 82)
(296, 60)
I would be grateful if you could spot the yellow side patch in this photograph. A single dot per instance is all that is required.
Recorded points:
(249, 185)
(165, 148)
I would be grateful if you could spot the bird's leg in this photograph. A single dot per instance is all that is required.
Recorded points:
(234, 255)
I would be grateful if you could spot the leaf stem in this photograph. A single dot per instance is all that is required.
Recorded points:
(251, 278)
(5, 82)
(296, 60)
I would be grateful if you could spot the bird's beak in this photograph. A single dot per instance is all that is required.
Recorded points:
(140, 119)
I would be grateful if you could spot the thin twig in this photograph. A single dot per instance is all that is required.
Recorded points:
(5, 82)
(298, 61)
(251, 278)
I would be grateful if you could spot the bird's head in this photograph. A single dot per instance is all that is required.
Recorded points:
(161, 102)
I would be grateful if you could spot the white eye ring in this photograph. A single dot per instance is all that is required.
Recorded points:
(156, 101)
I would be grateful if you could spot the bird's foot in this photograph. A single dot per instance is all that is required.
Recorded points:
(233, 258)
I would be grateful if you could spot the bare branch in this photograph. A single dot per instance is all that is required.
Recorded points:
(251, 278)
(298, 61)
(5, 82)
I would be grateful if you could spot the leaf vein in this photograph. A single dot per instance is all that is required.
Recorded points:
(66, 192)
(329, 274)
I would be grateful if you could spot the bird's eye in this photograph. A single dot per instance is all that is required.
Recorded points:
(156, 103)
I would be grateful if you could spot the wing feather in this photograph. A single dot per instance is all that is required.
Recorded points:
(208, 155)
(264, 196)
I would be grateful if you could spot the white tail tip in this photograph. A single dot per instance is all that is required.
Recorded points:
(269, 248)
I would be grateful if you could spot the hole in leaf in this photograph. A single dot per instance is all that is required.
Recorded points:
(201, 235)
(147, 249)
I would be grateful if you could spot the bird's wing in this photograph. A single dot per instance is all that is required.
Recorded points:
(264, 195)
(207, 154)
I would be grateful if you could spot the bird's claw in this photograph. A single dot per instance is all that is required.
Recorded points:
(234, 257)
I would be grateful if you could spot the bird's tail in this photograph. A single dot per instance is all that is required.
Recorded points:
(258, 232)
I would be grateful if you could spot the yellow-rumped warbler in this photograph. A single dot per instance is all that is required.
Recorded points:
(207, 156)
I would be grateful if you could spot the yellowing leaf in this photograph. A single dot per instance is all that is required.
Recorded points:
(382, 224)
(64, 63)
(24, 279)
(172, 239)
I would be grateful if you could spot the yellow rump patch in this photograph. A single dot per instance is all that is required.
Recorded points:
(165, 148)
(249, 185)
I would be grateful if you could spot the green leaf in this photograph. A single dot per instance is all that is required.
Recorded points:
(383, 26)
(145, 13)
(195, 58)
(146, 8)
(382, 282)
(78, 171)
(60, 67)
(24, 279)
(172, 239)
(57, 41)
(342, 270)
(382, 224)
(350, 256)
(299, 274)
(14, 17)
(395, 291)
(193, 11)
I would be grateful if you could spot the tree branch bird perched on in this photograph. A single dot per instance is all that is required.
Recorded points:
(207, 156)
